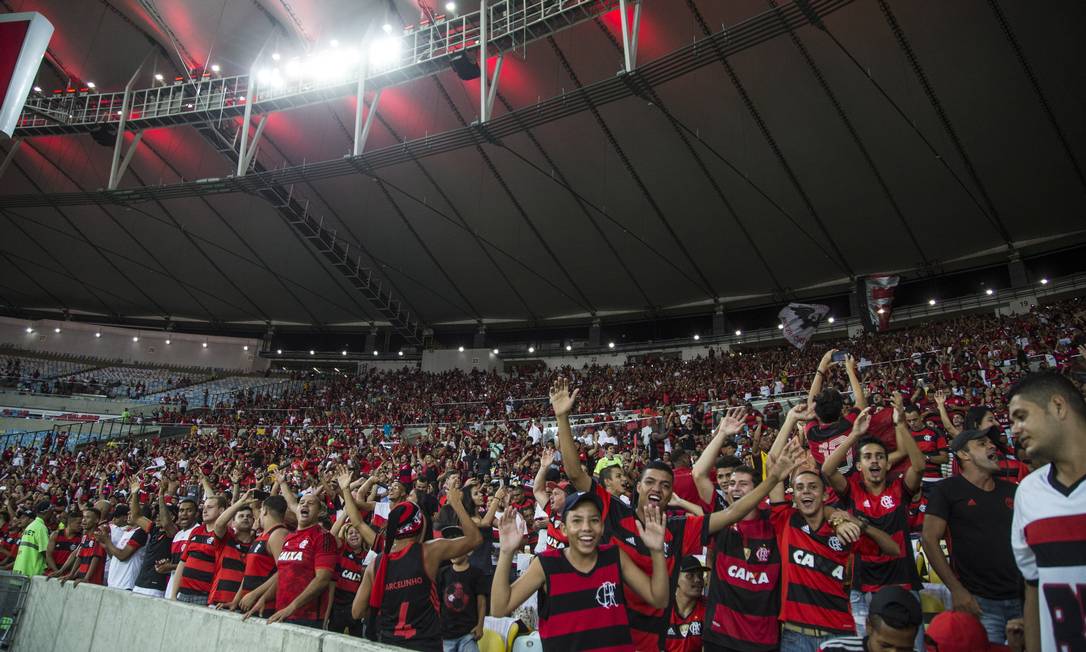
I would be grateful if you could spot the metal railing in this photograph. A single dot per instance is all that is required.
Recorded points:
(420, 51)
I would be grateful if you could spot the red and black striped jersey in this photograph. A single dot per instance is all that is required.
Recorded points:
(931, 443)
(200, 555)
(349, 570)
(408, 615)
(229, 570)
(744, 587)
(813, 563)
(889, 512)
(64, 546)
(684, 633)
(685, 535)
(259, 563)
(89, 549)
(584, 611)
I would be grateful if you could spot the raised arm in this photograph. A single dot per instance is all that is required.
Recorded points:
(820, 375)
(831, 467)
(948, 424)
(652, 589)
(503, 597)
(284, 488)
(729, 426)
(854, 382)
(905, 442)
(445, 549)
(134, 485)
(562, 401)
(539, 485)
(223, 522)
(790, 458)
(343, 479)
(798, 413)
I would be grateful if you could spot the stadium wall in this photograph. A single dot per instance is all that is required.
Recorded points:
(89, 618)
(184, 350)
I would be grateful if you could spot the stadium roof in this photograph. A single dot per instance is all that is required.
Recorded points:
(765, 150)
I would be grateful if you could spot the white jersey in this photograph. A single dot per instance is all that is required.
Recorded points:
(180, 540)
(1049, 540)
(123, 574)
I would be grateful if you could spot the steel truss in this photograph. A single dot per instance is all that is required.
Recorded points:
(423, 51)
(706, 51)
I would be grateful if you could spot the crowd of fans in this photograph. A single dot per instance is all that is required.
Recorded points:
(641, 524)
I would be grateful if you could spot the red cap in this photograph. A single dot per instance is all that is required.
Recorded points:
(958, 631)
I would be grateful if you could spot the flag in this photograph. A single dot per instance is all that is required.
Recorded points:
(801, 320)
(876, 294)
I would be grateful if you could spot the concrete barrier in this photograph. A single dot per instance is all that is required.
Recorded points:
(96, 619)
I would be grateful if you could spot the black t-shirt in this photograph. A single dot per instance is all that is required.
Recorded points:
(979, 529)
(158, 547)
(459, 592)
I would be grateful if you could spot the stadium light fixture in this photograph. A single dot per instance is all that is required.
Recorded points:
(931, 302)
(158, 76)
(1044, 281)
(57, 329)
(99, 334)
(215, 67)
(780, 327)
(276, 56)
(989, 291)
(496, 351)
(450, 7)
(399, 353)
(738, 332)
(460, 349)
(37, 89)
(344, 352)
(205, 345)
(569, 347)
(279, 352)
(245, 348)
(880, 311)
(385, 52)
(375, 353)
(830, 319)
(610, 345)
(136, 338)
(696, 337)
(91, 85)
(531, 349)
(167, 342)
(29, 329)
(386, 28)
(312, 352)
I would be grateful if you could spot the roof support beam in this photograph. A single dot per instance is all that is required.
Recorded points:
(629, 36)
(114, 168)
(484, 97)
(247, 160)
(493, 85)
(10, 156)
(115, 176)
(361, 137)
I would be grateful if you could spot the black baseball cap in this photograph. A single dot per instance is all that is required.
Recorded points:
(43, 506)
(897, 607)
(692, 564)
(966, 436)
(575, 499)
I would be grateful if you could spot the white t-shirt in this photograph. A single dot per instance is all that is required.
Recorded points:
(1048, 536)
(182, 538)
(123, 574)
